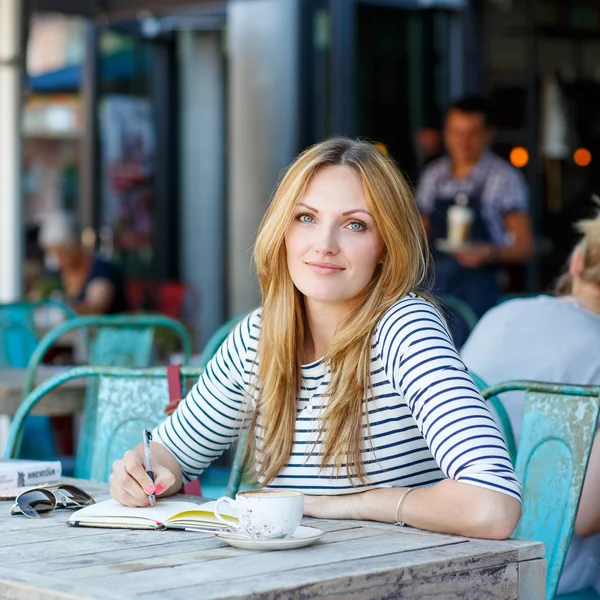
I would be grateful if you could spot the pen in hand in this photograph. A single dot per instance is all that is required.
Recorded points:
(148, 463)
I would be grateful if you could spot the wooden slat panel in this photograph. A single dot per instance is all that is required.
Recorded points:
(427, 573)
(243, 565)
(183, 556)
(532, 580)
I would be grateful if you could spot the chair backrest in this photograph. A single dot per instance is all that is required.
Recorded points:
(123, 340)
(505, 425)
(18, 332)
(125, 406)
(558, 429)
(128, 400)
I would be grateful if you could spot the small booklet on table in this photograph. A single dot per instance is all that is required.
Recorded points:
(165, 514)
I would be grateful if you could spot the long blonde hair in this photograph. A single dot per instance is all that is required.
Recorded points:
(590, 246)
(404, 269)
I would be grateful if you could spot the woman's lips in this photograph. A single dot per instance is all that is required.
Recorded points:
(323, 268)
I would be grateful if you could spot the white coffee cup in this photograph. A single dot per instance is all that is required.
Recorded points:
(265, 514)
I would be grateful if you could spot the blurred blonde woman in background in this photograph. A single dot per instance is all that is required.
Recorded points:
(347, 374)
(553, 339)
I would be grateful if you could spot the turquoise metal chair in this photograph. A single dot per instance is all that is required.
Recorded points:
(18, 333)
(128, 401)
(558, 429)
(19, 337)
(124, 341)
(506, 427)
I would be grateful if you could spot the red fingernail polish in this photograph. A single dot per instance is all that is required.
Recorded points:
(149, 489)
(160, 488)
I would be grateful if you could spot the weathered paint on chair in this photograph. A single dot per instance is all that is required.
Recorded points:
(125, 406)
(128, 400)
(112, 347)
(124, 340)
(497, 405)
(558, 429)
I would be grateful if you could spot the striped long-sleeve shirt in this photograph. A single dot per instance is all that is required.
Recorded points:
(426, 419)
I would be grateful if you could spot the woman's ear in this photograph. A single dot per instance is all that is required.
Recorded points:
(577, 264)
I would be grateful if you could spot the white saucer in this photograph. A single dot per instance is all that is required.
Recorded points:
(446, 246)
(303, 536)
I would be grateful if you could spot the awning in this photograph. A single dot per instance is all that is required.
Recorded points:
(120, 65)
(114, 9)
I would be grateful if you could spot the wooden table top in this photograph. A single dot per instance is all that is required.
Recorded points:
(64, 400)
(45, 558)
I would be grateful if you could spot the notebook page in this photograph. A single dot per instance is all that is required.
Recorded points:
(112, 512)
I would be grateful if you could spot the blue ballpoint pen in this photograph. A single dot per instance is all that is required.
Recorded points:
(148, 463)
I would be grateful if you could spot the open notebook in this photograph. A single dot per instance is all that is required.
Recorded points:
(165, 514)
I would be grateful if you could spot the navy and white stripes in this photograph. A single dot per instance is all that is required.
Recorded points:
(426, 420)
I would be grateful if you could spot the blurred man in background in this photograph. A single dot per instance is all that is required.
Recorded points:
(474, 206)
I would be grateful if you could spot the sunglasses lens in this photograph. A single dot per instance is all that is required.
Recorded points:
(36, 502)
(75, 495)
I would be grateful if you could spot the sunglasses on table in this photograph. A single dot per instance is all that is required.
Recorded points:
(35, 502)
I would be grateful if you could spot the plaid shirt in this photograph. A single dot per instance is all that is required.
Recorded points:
(503, 190)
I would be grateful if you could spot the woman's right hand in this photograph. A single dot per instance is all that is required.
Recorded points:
(130, 484)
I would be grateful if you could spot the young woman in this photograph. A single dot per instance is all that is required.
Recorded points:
(348, 377)
(554, 339)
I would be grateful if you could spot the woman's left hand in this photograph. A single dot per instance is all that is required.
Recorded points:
(332, 507)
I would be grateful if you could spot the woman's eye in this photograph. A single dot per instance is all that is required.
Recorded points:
(356, 226)
(304, 218)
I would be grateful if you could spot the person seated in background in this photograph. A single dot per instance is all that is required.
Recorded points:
(556, 340)
(92, 284)
(476, 199)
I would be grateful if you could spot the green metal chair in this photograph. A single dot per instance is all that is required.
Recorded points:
(124, 341)
(19, 336)
(128, 401)
(558, 429)
(506, 427)
(18, 333)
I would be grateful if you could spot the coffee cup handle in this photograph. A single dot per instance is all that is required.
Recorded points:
(218, 514)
